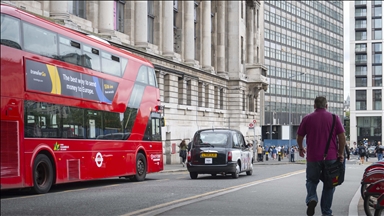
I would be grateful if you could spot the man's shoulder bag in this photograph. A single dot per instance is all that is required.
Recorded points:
(332, 175)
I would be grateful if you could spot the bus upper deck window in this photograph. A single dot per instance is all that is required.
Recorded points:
(39, 40)
(10, 31)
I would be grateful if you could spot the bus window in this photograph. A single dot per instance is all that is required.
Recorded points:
(39, 40)
(152, 77)
(124, 63)
(136, 96)
(142, 76)
(92, 58)
(10, 31)
(110, 64)
(69, 51)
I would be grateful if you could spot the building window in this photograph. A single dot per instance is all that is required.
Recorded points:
(78, 8)
(189, 92)
(119, 15)
(244, 101)
(361, 59)
(377, 12)
(377, 34)
(200, 94)
(151, 21)
(251, 106)
(360, 12)
(242, 50)
(361, 71)
(216, 97)
(181, 90)
(361, 24)
(377, 99)
(207, 96)
(175, 11)
(361, 81)
(361, 35)
(242, 9)
(222, 98)
(376, 23)
(361, 47)
(257, 19)
(377, 58)
(361, 100)
(167, 88)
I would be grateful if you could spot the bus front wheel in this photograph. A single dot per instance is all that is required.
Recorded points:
(42, 174)
(141, 168)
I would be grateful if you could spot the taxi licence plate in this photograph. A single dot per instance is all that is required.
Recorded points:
(208, 155)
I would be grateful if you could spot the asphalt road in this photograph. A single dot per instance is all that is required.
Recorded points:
(271, 190)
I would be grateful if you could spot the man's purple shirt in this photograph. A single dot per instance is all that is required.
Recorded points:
(317, 126)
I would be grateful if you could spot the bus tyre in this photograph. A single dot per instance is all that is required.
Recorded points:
(141, 168)
(42, 174)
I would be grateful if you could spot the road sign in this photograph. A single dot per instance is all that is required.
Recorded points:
(254, 121)
(250, 125)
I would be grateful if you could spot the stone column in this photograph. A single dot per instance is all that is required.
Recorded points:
(206, 30)
(141, 23)
(59, 9)
(189, 41)
(93, 14)
(233, 47)
(167, 28)
(250, 34)
(106, 16)
(220, 49)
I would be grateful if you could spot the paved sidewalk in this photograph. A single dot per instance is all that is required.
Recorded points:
(179, 167)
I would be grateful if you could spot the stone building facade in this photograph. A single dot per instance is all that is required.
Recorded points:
(208, 56)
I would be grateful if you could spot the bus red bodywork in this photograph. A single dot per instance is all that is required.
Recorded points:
(71, 159)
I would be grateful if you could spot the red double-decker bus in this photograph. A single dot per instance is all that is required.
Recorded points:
(72, 107)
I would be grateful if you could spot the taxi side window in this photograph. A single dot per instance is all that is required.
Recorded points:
(235, 140)
(241, 140)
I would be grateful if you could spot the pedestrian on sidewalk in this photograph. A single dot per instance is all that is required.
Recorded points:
(292, 154)
(183, 151)
(259, 153)
(362, 153)
(317, 128)
(379, 151)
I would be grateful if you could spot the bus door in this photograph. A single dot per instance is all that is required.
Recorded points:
(11, 145)
(154, 147)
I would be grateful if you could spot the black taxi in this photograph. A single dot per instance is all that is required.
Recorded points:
(219, 151)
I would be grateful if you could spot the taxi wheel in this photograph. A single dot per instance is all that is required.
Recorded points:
(249, 172)
(193, 175)
(237, 172)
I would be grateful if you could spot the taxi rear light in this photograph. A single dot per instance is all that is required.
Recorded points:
(229, 156)
(189, 156)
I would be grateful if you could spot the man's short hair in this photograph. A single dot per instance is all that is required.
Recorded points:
(320, 102)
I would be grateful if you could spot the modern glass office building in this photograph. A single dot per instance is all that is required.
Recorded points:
(304, 56)
(366, 109)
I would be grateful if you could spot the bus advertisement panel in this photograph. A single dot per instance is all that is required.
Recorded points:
(73, 108)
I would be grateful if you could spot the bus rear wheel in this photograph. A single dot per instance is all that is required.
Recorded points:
(141, 168)
(42, 174)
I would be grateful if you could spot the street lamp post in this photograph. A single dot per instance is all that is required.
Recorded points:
(290, 107)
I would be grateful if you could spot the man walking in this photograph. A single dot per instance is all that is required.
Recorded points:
(317, 127)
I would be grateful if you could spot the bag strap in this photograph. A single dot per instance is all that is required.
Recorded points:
(330, 136)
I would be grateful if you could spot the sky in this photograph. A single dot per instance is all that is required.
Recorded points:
(347, 40)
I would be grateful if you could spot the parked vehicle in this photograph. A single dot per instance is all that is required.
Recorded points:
(219, 151)
(371, 151)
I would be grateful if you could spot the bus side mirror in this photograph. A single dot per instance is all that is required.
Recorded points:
(162, 122)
